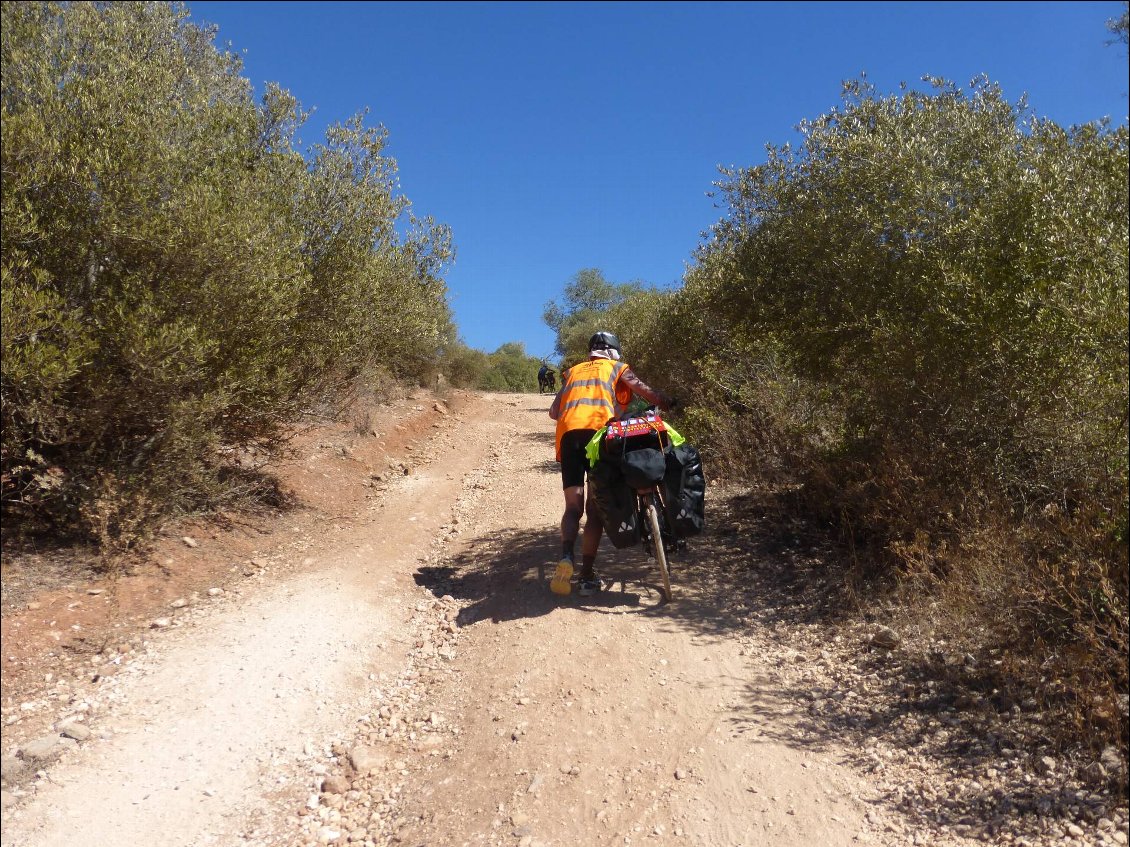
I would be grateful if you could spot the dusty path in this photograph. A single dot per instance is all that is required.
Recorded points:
(604, 720)
(417, 661)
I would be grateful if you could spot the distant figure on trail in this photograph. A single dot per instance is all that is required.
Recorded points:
(546, 379)
(591, 393)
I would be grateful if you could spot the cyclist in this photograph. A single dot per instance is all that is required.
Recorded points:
(591, 393)
(545, 378)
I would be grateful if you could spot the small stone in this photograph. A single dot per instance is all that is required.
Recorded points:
(335, 784)
(77, 731)
(1111, 760)
(885, 638)
(519, 819)
(189, 541)
(1094, 774)
(178, 603)
(215, 592)
(366, 759)
(1074, 830)
(160, 623)
(11, 767)
(41, 749)
(680, 773)
(94, 591)
(1045, 765)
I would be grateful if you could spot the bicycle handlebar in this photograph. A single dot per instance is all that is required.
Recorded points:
(653, 409)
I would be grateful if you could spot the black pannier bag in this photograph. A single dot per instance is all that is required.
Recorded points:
(614, 446)
(615, 501)
(684, 490)
(636, 445)
(643, 467)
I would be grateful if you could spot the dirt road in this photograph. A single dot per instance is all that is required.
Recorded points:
(406, 656)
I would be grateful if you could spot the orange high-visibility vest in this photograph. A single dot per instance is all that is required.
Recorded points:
(590, 395)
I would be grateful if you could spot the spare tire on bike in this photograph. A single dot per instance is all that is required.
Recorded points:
(684, 491)
(615, 503)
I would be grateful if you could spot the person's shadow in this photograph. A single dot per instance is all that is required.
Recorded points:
(506, 577)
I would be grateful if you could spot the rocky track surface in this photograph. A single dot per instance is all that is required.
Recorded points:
(388, 666)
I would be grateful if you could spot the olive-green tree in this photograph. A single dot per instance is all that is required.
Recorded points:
(1120, 27)
(586, 300)
(939, 278)
(955, 268)
(179, 282)
(510, 368)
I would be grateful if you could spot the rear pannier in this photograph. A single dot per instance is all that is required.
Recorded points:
(684, 490)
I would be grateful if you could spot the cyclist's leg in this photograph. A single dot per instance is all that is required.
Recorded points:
(573, 463)
(590, 543)
(571, 519)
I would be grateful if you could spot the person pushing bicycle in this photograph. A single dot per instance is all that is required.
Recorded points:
(591, 393)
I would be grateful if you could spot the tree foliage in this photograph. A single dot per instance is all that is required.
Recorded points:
(919, 313)
(179, 282)
(1120, 27)
(955, 268)
(509, 368)
(587, 299)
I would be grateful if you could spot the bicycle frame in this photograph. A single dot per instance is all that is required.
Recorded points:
(652, 512)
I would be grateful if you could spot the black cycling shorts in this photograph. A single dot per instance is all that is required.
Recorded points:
(574, 462)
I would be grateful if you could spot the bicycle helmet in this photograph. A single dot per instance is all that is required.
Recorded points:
(605, 341)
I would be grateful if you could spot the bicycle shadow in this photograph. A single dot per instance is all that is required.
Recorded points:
(758, 572)
(506, 577)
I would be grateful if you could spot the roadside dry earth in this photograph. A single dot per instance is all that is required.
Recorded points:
(394, 670)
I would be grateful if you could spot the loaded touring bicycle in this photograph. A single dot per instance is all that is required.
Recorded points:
(648, 486)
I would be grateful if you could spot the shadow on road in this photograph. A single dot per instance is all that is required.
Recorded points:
(546, 438)
(506, 577)
(755, 574)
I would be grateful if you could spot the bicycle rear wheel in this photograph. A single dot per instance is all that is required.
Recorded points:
(657, 545)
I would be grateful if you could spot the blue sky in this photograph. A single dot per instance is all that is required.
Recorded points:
(553, 137)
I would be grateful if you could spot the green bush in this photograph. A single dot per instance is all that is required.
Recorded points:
(179, 283)
(584, 310)
(919, 314)
(954, 270)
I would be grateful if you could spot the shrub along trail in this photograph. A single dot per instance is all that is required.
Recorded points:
(410, 679)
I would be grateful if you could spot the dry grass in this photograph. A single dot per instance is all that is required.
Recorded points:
(1040, 598)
